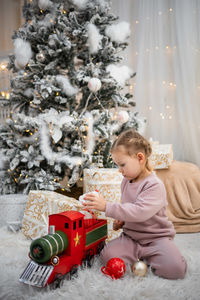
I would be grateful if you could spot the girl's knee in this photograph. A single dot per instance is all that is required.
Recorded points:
(175, 270)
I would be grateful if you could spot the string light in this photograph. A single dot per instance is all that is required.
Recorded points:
(3, 66)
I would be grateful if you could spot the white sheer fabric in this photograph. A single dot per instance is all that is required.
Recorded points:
(164, 50)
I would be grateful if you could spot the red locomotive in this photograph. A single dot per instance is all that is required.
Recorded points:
(72, 241)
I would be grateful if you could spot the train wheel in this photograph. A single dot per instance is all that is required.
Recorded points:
(58, 281)
(89, 259)
(100, 247)
(74, 271)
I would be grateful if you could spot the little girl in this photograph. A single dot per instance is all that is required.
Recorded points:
(147, 232)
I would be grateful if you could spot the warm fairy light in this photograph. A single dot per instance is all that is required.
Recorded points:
(63, 189)
(41, 10)
(81, 179)
(171, 9)
(170, 117)
(3, 66)
(131, 87)
(171, 83)
(167, 106)
(7, 95)
(136, 53)
(137, 22)
(57, 93)
(167, 47)
(174, 84)
(27, 130)
(150, 107)
(64, 11)
(163, 81)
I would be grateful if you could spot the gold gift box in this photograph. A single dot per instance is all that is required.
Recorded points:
(39, 206)
(162, 156)
(108, 183)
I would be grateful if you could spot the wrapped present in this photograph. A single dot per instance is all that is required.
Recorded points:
(108, 183)
(162, 156)
(39, 206)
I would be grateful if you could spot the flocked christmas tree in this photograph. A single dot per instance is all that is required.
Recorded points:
(67, 95)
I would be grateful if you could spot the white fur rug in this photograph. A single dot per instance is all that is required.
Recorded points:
(91, 283)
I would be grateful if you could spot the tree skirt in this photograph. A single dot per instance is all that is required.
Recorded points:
(91, 283)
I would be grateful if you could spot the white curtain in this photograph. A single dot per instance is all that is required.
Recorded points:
(164, 50)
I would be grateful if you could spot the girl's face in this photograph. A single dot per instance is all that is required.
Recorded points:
(131, 167)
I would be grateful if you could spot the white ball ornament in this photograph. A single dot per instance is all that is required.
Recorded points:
(123, 116)
(94, 84)
(43, 4)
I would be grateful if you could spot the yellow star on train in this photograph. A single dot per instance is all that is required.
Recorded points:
(77, 239)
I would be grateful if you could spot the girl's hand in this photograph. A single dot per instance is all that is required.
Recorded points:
(117, 224)
(95, 201)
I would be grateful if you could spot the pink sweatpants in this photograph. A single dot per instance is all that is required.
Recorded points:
(162, 255)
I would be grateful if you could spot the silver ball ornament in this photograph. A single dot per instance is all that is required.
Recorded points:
(40, 57)
(139, 268)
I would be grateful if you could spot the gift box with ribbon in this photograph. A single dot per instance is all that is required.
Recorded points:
(108, 183)
(39, 206)
(162, 156)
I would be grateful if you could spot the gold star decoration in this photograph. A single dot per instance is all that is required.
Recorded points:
(77, 239)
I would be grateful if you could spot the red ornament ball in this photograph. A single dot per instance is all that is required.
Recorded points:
(115, 268)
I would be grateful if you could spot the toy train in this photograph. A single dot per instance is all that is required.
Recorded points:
(72, 241)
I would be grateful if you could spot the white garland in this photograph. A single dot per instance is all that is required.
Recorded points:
(94, 38)
(66, 86)
(119, 73)
(118, 32)
(23, 53)
(53, 157)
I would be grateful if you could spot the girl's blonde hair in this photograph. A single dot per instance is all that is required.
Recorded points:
(133, 142)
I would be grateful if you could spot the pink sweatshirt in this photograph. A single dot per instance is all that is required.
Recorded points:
(143, 210)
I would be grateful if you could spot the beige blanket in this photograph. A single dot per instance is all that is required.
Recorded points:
(182, 182)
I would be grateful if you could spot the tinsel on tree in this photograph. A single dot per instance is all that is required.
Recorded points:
(67, 93)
